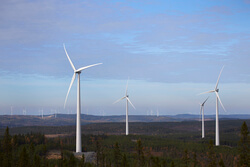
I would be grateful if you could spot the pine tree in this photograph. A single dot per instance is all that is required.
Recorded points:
(37, 161)
(221, 163)
(72, 160)
(23, 158)
(31, 152)
(164, 163)
(98, 152)
(117, 155)
(156, 162)
(195, 162)
(211, 155)
(185, 158)
(124, 161)
(140, 154)
(244, 159)
(7, 149)
(172, 164)
(82, 163)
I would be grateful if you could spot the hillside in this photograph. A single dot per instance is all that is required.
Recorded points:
(69, 119)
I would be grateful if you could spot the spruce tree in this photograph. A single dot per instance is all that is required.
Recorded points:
(82, 162)
(98, 152)
(72, 160)
(37, 161)
(7, 149)
(244, 159)
(172, 164)
(185, 158)
(23, 158)
(195, 162)
(117, 155)
(211, 155)
(221, 163)
(140, 154)
(124, 161)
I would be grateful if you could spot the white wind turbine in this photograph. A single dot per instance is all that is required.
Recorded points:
(202, 124)
(78, 115)
(216, 90)
(127, 100)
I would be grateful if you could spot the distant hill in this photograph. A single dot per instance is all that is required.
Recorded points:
(69, 119)
(233, 116)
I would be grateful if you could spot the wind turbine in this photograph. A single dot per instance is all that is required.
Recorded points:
(216, 90)
(11, 110)
(127, 101)
(78, 115)
(202, 112)
(24, 111)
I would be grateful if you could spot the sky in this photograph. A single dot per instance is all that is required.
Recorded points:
(170, 50)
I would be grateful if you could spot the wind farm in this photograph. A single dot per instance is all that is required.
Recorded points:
(171, 51)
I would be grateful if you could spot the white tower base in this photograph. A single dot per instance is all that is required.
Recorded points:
(78, 118)
(217, 135)
(127, 131)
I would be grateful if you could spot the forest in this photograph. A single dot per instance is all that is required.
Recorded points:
(149, 144)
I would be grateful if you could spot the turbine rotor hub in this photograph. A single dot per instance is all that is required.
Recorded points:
(217, 90)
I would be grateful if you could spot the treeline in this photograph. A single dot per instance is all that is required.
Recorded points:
(32, 149)
(228, 127)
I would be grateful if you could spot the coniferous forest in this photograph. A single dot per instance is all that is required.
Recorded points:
(155, 147)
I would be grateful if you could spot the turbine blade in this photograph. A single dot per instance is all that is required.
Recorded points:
(130, 103)
(218, 78)
(72, 65)
(126, 88)
(119, 99)
(204, 101)
(200, 110)
(71, 83)
(220, 101)
(83, 68)
(211, 91)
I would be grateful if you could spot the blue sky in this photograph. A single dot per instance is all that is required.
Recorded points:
(170, 50)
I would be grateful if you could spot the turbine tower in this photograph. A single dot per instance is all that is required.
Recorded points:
(202, 124)
(127, 101)
(216, 90)
(78, 115)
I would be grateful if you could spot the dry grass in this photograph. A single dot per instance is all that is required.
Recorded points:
(58, 135)
(54, 154)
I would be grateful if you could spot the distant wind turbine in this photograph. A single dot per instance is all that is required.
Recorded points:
(24, 111)
(127, 100)
(11, 110)
(202, 112)
(216, 90)
(78, 115)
